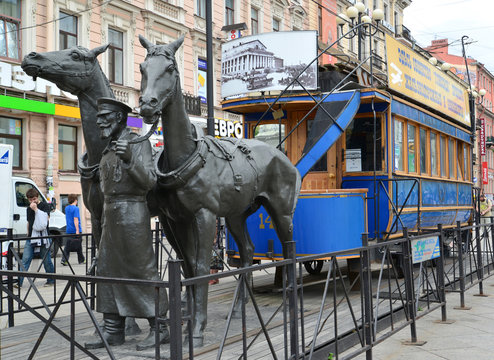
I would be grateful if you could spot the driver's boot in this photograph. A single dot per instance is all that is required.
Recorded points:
(113, 332)
(149, 341)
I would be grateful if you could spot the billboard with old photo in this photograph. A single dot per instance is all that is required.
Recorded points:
(268, 61)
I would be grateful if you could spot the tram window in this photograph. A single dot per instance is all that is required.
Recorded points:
(412, 158)
(465, 162)
(451, 159)
(398, 145)
(269, 133)
(433, 153)
(460, 164)
(322, 164)
(423, 151)
(360, 144)
(442, 154)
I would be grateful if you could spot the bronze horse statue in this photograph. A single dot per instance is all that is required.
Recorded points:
(78, 71)
(200, 178)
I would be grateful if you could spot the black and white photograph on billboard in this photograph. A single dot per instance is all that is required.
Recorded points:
(268, 61)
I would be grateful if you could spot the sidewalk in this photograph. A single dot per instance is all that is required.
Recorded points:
(469, 337)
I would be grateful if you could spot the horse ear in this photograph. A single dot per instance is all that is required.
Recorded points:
(176, 44)
(145, 42)
(99, 50)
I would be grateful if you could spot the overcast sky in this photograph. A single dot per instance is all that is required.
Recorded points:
(451, 19)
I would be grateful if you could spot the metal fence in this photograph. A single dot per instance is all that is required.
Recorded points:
(350, 314)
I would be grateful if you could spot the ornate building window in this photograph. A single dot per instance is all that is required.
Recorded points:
(68, 30)
(254, 21)
(229, 12)
(115, 56)
(276, 25)
(201, 8)
(67, 148)
(10, 22)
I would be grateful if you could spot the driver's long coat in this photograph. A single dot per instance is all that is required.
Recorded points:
(126, 248)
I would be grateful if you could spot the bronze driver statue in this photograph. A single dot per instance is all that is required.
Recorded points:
(126, 247)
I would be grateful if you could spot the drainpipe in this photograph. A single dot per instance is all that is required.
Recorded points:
(50, 121)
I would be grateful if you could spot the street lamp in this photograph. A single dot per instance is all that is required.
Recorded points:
(360, 25)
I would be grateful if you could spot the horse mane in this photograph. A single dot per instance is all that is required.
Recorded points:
(161, 50)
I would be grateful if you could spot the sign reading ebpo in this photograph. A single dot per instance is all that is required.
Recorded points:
(425, 249)
(228, 128)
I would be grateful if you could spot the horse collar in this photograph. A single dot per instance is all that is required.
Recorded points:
(179, 177)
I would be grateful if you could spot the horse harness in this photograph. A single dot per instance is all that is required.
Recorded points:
(207, 144)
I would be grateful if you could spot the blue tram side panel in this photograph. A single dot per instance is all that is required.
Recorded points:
(322, 223)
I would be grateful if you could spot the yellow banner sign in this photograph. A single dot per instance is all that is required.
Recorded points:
(415, 77)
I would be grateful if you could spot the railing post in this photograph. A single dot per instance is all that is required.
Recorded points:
(408, 272)
(10, 280)
(367, 295)
(491, 247)
(480, 266)
(92, 272)
(292, 302)
(440, 277)
(175, 309)
(461, 268)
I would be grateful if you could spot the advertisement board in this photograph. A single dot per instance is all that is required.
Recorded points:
(267, 62)
(413, 76)
(485, 173)
(425, 249)
(6, 159)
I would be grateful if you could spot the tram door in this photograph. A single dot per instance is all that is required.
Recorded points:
(324, 174)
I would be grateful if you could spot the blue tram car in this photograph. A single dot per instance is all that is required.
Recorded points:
(373, 160)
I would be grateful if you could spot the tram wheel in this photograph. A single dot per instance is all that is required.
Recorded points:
(314, 267)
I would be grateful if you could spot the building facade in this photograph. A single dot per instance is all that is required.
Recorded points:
(480, 78)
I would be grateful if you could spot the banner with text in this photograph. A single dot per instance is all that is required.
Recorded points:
(482, 136)
(485, 173)
(415, 77)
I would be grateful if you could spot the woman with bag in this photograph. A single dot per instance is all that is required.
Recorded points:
(37, 222)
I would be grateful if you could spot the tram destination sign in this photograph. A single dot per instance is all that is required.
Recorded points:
(268, 61)
(425, 249)
(413, 76)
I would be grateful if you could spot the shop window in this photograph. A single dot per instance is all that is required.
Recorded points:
(434, 162)
(360, 143)
(201, 8)
(11, 133)
(254, 21)
(229, 12)
(398, 145)
(412, 152)
(115, 56)
(10, 23)
(68, 30)
(423, 151)
(270, 133)
(67, 148)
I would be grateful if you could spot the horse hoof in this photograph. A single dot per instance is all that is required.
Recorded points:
(197, 341)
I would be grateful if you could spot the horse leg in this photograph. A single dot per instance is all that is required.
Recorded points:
(238, 228)
(197, 244)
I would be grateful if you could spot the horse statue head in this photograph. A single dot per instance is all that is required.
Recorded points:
(160, 78)
(72, 70)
